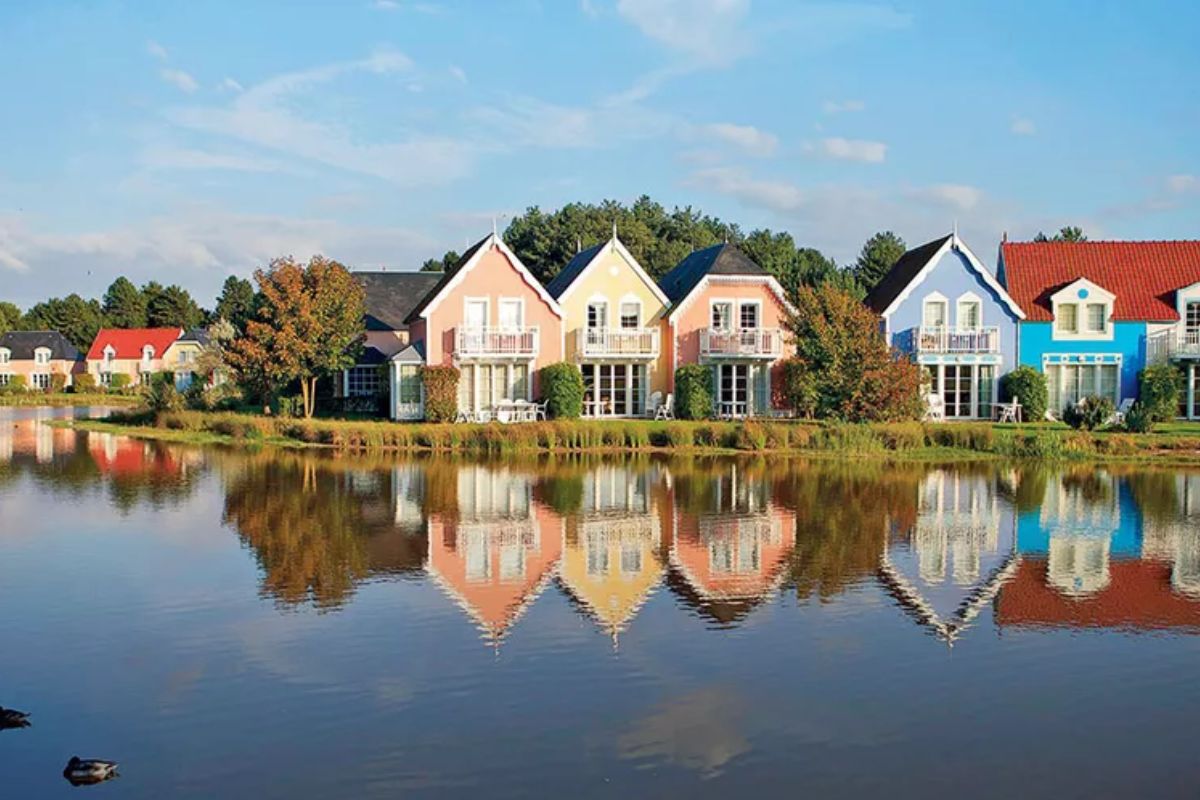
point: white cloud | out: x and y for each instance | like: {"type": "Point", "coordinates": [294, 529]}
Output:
{"type": "Point", "coordinates": [954, 195]}
{"type": "Point", "coordinates": [385, 5]}
{"type": "Point", "coordinates": [270, 115]}
{"type": "Point", "coordinates": [1023, 126]}
{"type": "Point", "coordinates": [1182, 184]}
{"type": "Point", "coordinates": [863, 150]}
{"type": "Point", "coordinates": [843, 106]}
{"type": "Point", "coordinates": [589, 8]}
{"type": "Point", "coordinates": [180, 80]}
{"type": "Point", "coordinates": [707, 31]}
{"type": "Point", "coordinates": [157, 50]}
{"type": "Point", "coordinates": [747, 137]}
{"type": "Point", "coordinates": [530, 122]}
{"type": "Point", "coordinates": [458, 73]}
{"type": "Point", "coordinates": [778, 196]}
{"type": "Point", "coordinates": [230, 85]}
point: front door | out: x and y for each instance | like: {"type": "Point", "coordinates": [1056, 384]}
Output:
{"type": "Point", "coordinates": [733, 390]}
{"type": "Point", "coordinates": [958, 389]}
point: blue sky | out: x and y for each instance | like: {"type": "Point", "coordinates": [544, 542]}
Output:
{"type": "Point", "coordinates": [189, 141]}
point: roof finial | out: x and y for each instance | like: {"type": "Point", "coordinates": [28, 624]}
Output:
{"type": "Point", "coordinates": [614, 228]}
{"type": "Point", "coordinates": [956, 227]}
{"type": "Point", "coordinates": [578, 245]}
{"type": "Point", "coordinates": [493, 224]}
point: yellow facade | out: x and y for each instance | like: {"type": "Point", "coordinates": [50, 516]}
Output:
{"type": "Point", "coordinates": [611, 565]}
{"type": "Point", "coordinates": [614, 283]}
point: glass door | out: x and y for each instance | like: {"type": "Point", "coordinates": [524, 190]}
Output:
{"type": "Point", "coordinates": [958, 391]}
{"type": "Point", "coordinates": [733, 390]}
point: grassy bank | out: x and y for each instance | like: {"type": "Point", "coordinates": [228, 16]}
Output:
{"type": "Point", "coordinates": [61, 399]}
{"type": "Point", "coordinates": [906, 440]}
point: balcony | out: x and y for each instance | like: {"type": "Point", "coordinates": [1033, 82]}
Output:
{"type": "Point", "coordinates": [624, 343]}
{"type": "Point", "coordinates": [958, 340]}
{"type": "Point", "coordinates": [508, 342]}
{"type": "Point", "coordinates": [741, 343]}
{"type": "Point", "coordinates": [1181, 345]}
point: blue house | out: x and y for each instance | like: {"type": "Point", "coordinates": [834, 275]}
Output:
{"type": "Point", "coordinates": [1099, 312]}
{"type": "Point", "coordinates": [943, 307]}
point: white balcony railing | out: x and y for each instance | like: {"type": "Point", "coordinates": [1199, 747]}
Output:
{"type": "Point", "coordinates": [622, 342]}
{"type": "Point", "coordinates": [1184, 345]}
{"type": "Point", "coordinates": [743, 343]}
{"type": "Point", "coordinates": [510, 341]}
{"type": "Point", "coordinates": [958, 340]}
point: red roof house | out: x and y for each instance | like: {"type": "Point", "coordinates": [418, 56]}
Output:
{"type": "Point", "coordinates": [134, 352]}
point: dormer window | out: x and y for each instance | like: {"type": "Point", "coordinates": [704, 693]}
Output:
{"type": "Point", "coordinates": [934, 313]}
{"type": "Point", "coordinates": [147, 353]}
{"type": "Point", "coordinates": [969, 314]}
{"type": "Point", "coordinates": [1083, 310]}
{"type": "Point", "coordinates": [41, 355]}
{"type": "Point", "coordinates": [110, 355]}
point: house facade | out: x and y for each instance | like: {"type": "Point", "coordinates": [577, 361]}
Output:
{"type": "Point", "coordinates": [490, 318]}
{"type": "Point", "coordinates": [181, 357]}
{"type": "Point", "coordinates": [136, 352]}
{"type": "Point", "coordinates": [729, 314]}
{"type": "Point", "coordinates": [613, 321]}
{"type": "Point", "coordinates": [37, 356]}
{"type": "Point", "coordinates": [940, 305]}
{"type": "Point", "coordinates": [1099, 312]}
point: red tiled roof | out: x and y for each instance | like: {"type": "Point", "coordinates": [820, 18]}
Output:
{"type": "Point", "coordinates": [129, 343]}
{"type": "Point", "coordinates": [1143, 275]}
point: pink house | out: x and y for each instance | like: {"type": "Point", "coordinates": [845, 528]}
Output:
{"type": "Point", "coordinates": [491, 318]}
{"type": "Point", "coordinates": [37, 356]}
{"type": "Point", "coordinates": [729, 314]}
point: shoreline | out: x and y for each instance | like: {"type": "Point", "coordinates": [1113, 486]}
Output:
{"type": "Point", "coordinates": [68, 400]}
{"type": "Point", "coordinates": [909, 441]}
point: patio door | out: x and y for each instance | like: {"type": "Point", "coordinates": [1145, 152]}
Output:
{"type": "Point", "coordinates": [614, 390]}
{"type": "Point", "coordinates": [958, 391]}
{"type": "Point", "coordinates": [733, 390]}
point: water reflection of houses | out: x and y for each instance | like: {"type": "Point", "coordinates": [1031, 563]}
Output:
{"type": "Point", "coordinates": [956, 556]}
{"type": "Point", "coordinates": [496, 551]}
{"type": "Point", "coordinates": [1100, 556]}
{"type": "Point", "coordinates": [28, 436]}
{"type": "Point", "coordinates": [613, 550]}
{"type": "Point", "coordinates": [729, 551]}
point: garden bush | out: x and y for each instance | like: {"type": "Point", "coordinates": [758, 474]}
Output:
{"type": "Point", "coordinates": [17, 383]}
{"type": "Point", "coordinates": [1089, 413]}
{"type": "Point", "coordinates": [1140, 418]}
{"type": "Point", "coordinates": [800, 388]}
{"type": "Point", "coordinates": [1028, 386]}
{"type": "Point", "coordinates": [679, 435]}
{"type": "Point", "coordinates": [901, 435]}
{"type": "Point", "coordinates": [83, 383]}
{"type": "Point", "coordinates": [441, 393]}
{"type": "Point", "coordinates": [1161, 386]}
{"type": "Point", "coordinates": [161, 394]}
{"type": "Point", "coordinates": [562, 390]}
{"type": "Point", "coordinates": [58, 383]}
{"type": "Point", "coordinates": [693, 392]}
{"type": "Point", "coordinates": [119, 382]}
{"type": "Point", "coordinates": [751, 436]}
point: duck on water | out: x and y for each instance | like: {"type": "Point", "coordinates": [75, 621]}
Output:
{"type": "Point", "coordinates": [82, 771]}
{"type": "Point", "coordinates": [11, 718]}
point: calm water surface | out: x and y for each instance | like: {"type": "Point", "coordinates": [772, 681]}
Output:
{"type": "Point", "coordinates": [281, 625]}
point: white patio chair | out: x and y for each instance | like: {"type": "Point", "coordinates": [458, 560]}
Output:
{"type": "Point", "coordinates": [464, 415]}
{"type": "Point", "coordinates": [1118, 418]}
{"type": "Point", "coordinates": [652, 403]}
{"type": "Point", "coordinates": [667, 409]}
{"type": "Point", "coordinates": [1009, 412]}
{"type": "Point", "coordinates": [935, 408]}
{"type": "Point", "coordinates": [540, 410]}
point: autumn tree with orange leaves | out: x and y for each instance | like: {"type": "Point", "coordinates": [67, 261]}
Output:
{"type": "Point", "coordinates": [308, 324]}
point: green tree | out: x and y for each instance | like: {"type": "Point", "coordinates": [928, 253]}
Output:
{"type": "Point", "coordinates": [878, 255]}
{"type": "Point", "coordinates": [75, 318]}
{"type": "Point", "coordinates": [124, 305]}
{"type": "Point", "coordinates": [1067, 233]}
{"type": "Point", "coordinates": [235, 304]}
{"type": "Point", "coordinates": [10, 317]}
{"type": "Point", "coordinates": [171, 307]}
{"type": "Point", "coordinates": [309, 324]}
{"type": "Point", "coordinates": [445, 264]}
{"type": "Point", "coordinates": [858, 377]}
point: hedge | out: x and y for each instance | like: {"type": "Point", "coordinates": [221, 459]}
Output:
{"type": "Point", "coordinates": [1028, 386]}
{"type": "Point", "coordinates": [441, 393]}
{"type": "Point", "coordinates": [562, 390]}
{"type": "Point", "coordinates": [693, 392]}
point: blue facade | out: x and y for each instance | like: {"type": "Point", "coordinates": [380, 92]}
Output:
{"type": "Point", "coordinates": [1128, 346]}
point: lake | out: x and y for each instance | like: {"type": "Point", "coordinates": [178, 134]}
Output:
{"type": "Point", "coordinates": [282, 624]}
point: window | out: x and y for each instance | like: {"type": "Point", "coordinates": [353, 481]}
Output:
{"type": "Point", "coordinates": [41, 355]}
{"type": "Point", "coordinates": [1070, 383]}
{"type": "Point", "coordinates": [1067, 318]}
{"type": "Point", "coordinates": [476, 314]}
{"type": "Point", "coordinates": [510, 314]}
{"type": "Point", "coordinates": [106, 378]}
{"type": "Point", "coordinates": [934, 314]}
{"type": "Point", "coordinates": [1097, 318]}
{"type": "Point", "coordinates": [722, 315]}
{"type": "Point", "coordinates": [110, 355]}
{"type": "Point", "coordinates": [748, 316]}
{"type": "Point", "coordinates": [519, 381]}
{"type": "Point", "coordinates": [5, 378]}
{"type": "Point", "coordinates": [145, 377]}
{"type": "Point", "coordinates": [1191, 320]}
{"type": "Point", "coordinates": [410, 385]}
{"type": "Point", "coordinates": [630, 314]}
{"type": "Point", "coordinates": [5, 355]}
{"type": "Point", "coordinates": [147, 353]}
{"type": "Point", "coordinates": [597, 315]}
{"type": "Point", "coordinates": [40, 380]}
{"type": "Point", "coordinates": [363, 382]}
{"type": "Point", "coordinates": [968, 315]}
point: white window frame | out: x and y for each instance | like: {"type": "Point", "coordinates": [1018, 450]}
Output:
{"type": "Point", "coordinates": [1087, 318]}
{"type": "Point", "coordinates": [758, 314]}
{"type": "Point", "coordinates": [1081, 362]}
{"type": "Point", "coordinates": [147, 353]}
{"type": "Point", "coordinates": [629, 300]}
{"type": "Point", "coordinates": [966, 301]}
{"type": "Point", "coordinates": [601, 318]}
{"type": "Point", "coordinates": [722, 301]}
{"type": "Point", "coordinates": [487, 311]}
{"type": "Point", "coordinates": [41, 355]}
{"type": "Point", "coordinates": [5, 355]}
{"type": "Point", "coordinates": [1081, 294]}
{"type": "Point", "coordinates": [40, 381]}
{"type": "Point", "coordinates": [519, 302]}
{"type": "Point", "coordinates": [110, 355]}
{"type": "Point", "coordinates": [935, 299]}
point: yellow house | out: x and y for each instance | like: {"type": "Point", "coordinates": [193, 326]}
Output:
{"type": "Point", "coordinates": [181, 357]}
{"type": "Point", "coordinates": [613, 550]}
{"type": "Point", "coordinates": [613, 323]}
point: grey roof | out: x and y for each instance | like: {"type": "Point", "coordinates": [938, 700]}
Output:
{"type": "Point", "coordinates": [391, 296]}
{"type": "Point", "coordinates": [559, 283]}
{"type": "Point", "coordinates": [413, 354]}
{"type": "Point", "coordinates": [21, 345]}
{"type": "Point", "coordinates": [197, 335]}
{"type": "Point", "coordinates": [444, 278]}
{"type": "Point", "coordinates": [720, 259]}
{"type": "Point", "coordinates": [370, 356]}
{"type": "Point", "coordinates": [901, 275]}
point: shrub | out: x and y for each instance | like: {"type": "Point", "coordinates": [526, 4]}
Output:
{"type": "Point", "coordinates": [901, 435]}
{"type": "Point", "coordinates": [1089, 413]}
{"type": "Point", "coordinates": [17, 383]}
{"type": "Point", "coordinates": [800, 388]}
{"type": "Point", "coordinates": [441, 393]}
{"type": "Point", "coordinates": [1161, 386]}
{"type": "Point", "coordinates": [119, 382]}
{"type": "Point", "coordinates": [58, 383]}
{"type": "Point", "coordinates": [291, 407]}
{"type": "Point", "coordinates": [693, 392]}
{"type": "Point", "coordinates": [679, 435]}
{"type": "Point", "coordinates": [562, 390]}
{"type": "Point", "coordinates": [751, 436]}
{"type": "Point", "coordinates": [84, 382]}
{"type": "Point", "coordinates": [161, 394]}
{"type": "Point", "coordinates": [1140, 419]}
{"type": "Point", "coordinates": [1028, 387]}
